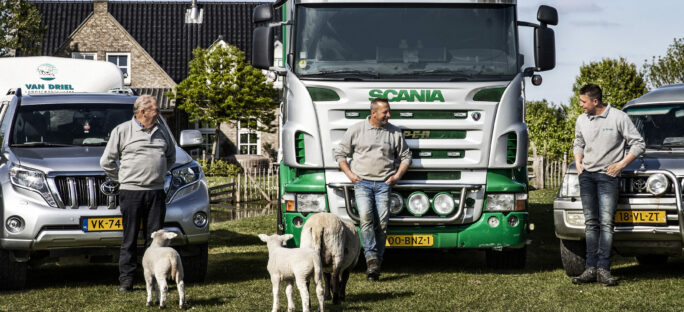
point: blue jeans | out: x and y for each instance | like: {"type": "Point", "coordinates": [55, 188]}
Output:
{"type": "Point", "coordinates": [372, 202]}
{"type": "Point", "coordinates": [599, 193]}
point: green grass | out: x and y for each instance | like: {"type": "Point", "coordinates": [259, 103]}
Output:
{"type": "Point", "coordinates": [414, 280]}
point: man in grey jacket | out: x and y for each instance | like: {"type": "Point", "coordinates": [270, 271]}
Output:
{"type": "Point", "coordinates": [601, 135]}
{"type": "Point", "coordinates": [377, 147]}
{"type": "Point", "coordinates": [145, 153]}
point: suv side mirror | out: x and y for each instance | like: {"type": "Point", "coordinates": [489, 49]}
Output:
{"type": "Point", "coordinates": [190, 138]}
{"type": "Point", "coordinates": [262, 47]}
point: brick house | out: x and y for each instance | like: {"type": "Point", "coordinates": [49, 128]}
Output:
{"type": "Point", "coordinates": [152, 43]}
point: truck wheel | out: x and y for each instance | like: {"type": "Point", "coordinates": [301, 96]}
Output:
{"type": "Point", "coordinates": [651, 260]}
{"type": "Point", "coordinates": [12, 273]}
{"type": "Point", "coordinates": [573, 255]}
{"type": "Point", "coordinates": [195, 266]}
{"type": "Point", "coordinates": [512, 258]}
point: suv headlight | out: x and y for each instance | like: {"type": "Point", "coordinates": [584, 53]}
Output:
{"type": "Point", "coordinates": [33, 180]}
{"type": "Point", "coordinates": [182, 181]}
{"type": "Point", "coordinates": [657, 184]}
{"type": "Point", "coordinates": [310, 202]}
{"type": "Point", "coordinates": [570, 187]}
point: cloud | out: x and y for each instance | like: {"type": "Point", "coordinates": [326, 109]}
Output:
{"type": "Point", "coordinates": [594, 23]}
{"type": "Point", "coordinates": [564, 7]}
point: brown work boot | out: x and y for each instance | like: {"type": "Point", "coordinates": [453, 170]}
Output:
{"type": "Point", "coordinates": [588, 276]}
{"type": "Point", "coordinates": [373, 270]}
{"type": "Point", "coordinates": [603, 276]}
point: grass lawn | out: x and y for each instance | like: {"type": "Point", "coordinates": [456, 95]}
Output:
{"type": "Point", "coordinates": [415, 280]}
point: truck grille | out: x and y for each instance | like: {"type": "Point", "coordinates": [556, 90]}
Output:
{"type": "Point", "coordinates": [82, 191]}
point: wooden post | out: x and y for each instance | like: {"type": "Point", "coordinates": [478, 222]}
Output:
{"type": "Point", "coordinates": [237, 188]}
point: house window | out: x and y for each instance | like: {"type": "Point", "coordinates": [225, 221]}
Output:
{"type": "Point", "coordinates": [84, 55]}
{"type": "Point", "coordinates": [208, 131]}
{"type": "Point", "coordinates": [122, 60]}
{"type": "Point", "coordinates": [249, 141]}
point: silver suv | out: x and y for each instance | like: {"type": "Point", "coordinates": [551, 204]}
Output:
{"type": "Point", "coordinates": [52, 205]}
{"type": "Point", "coordinates": [649, 222]}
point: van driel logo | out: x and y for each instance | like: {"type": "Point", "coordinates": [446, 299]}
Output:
{"type": "Point", "coordinates": [47, 72]}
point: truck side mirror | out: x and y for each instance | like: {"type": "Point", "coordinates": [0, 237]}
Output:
{"type": "Point", "coordinates": [262, 47]}
{"type": "Point", "coordinates": [262, 13]}
{"type": "Point", "coordinates": [545, 39]}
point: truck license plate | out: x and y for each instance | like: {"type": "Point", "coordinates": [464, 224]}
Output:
{"type": "Point", "coordinates": [415, 240]}
{"type": "Point", "coordinates": [650, 217]}
{"type": "Point", "coordinates": [101, 224]}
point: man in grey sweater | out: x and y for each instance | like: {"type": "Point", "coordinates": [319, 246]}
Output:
{"type": "Point", "coordinates": [601, 135]}
{"type": "Point", "coordinates": [377, 147]}
{"type": "Point", "coordinates": [145, 152]}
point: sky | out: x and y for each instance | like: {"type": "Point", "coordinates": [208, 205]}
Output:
{"type": "Point", "coordinates": [589, 31]}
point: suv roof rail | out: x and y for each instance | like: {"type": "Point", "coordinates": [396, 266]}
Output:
{"type": "Point", "coordinates": [128, 91]}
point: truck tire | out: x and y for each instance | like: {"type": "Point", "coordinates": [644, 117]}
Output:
{"type": "Point", "coordinates": [511, 258]}
{"type": "Point", "coordinates": [573, 254]}
{"type": "Point", "coordinates": [12, 273]}
{"type": "Point", "coordinates": [651, 260]}
{"type": "Point", "coordinates": [195, 266]}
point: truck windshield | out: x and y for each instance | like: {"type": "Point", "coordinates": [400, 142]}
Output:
{"type": "Point", "coordinates": [437, 42]}
{"type": "Point", "coordinates": [66, 125]}
{"type": "Point", "coordinates": [660, 126]}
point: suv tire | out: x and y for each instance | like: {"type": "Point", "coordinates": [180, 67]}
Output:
{"type": "Point", "coordinates": [509, 258]}
{"type": "Point", "coordinates": [12, 273]}
{"type": "Point", "coordinates": [573, 254]}
{"type": "Point", "coordinates": [195, 265]}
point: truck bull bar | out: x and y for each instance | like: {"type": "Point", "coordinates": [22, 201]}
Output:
{"type": "Point", "coordinates": [464, 188]}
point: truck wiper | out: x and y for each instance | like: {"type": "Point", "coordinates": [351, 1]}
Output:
{"type": "Point", "coordinates": [343, 74]}
{"type": "Point", "coordinates": [40, 144]}
{"type": "Point", "coordinates": [442, 73]}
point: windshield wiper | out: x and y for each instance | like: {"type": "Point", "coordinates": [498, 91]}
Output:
{"type": "Point", "coordinates": [674, 144]}
{"type": "Point", "coordinates": [345, 74]}
{"type": "Point", "coordinates": [657, 147]}
{"type": "Point", "coordinates": [40, 144]}
{"type": "Point", "coordinates": [442, 73]}
{"type": "Point", "coordinates": [94, 144]}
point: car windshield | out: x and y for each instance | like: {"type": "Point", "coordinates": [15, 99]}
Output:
{"type": "Point", "coordinates": [420, 42]}
{"type": "Point", "coordinates": [67, 125]}
{"type": "Point", "coordinates": [660, 126]}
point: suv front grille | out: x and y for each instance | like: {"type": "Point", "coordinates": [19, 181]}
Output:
{"type": "Point", "coordinates": [82, 191]}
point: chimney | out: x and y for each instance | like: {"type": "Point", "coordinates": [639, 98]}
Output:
{"type": "Point", "coordinates": [99, 7]}
{"type": "Point", "coordinates": [194, 14]}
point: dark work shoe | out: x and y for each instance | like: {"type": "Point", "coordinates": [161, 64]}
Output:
{"type": "Point", "coordinates": [125, 287]}
{"type": "Point", "coordinates": [588, 276]}
{"type": "Point", "coordinates": [373, 270]}
{"type": "Point", "coordinates": [603, 276]}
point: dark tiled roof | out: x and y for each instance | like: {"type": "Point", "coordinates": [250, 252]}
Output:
{"type": "Point", "coordinates": [159, 27]}
{"type": "Point", "coordinates": [61, 19]}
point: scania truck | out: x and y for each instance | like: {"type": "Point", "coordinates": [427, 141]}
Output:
{"type": "Point", "coordinates": [454, 76]}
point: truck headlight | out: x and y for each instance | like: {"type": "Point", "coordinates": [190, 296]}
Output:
{"type": "Point", "coordinates": [33, 180]}
{"type": "Point", "coordinates": [570, 187]}
{"type": "Point", "coordinates": [443, 204]}
{"type": "Point", "coordinates": [310, 202]}
{"type": "Point", "coordinates": [418, 203]}
{"type": "Point", "coordinates": [657, 184]}
{"type": "Point", "coordinates": [500, 202]}
{"type": "Point", "coordinates": [182, 181]}
{"type": "Point", "coordinates": [396, 204]}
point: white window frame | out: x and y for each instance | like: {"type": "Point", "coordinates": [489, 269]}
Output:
{"type": "Point", "coordinates": [84, 55]}
{"type": "Point", "coordinates": [208, 136]}
{"type": "Point", "coordinates": [248, 132]}
{"type": "Point", "coordinates": [127, 78]}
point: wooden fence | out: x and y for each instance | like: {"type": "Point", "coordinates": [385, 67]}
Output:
{"type": "Point", "coordinates": [253, 184]}
{"type": "Point", "coordinates": [545, 172]}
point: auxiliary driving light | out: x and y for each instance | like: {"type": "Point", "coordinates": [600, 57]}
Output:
{"type": "Point", "coordinates": [418, 203]}
{"type": "Point", "coordinates": [493, 221]}
{"type": "Point", "coordinates": [657, 184]}
{"type": "Point", "coordinates": [396, 203]}
{"type": "Point", "coordinates": [443, 204]}
{"type": "Point", "coordinates": [14, 224]}
{"type": "Point", "coordinates": [200, 219]}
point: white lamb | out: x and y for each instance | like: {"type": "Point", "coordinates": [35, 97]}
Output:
{"type": "Point", "coordinates": [290, 264]}
{"type": "Point", "coordinates": [338, 245]}
{"type": "Point", "coordinates": [159, 263]}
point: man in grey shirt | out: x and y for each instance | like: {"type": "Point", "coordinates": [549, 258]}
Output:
{"type": "Point", "coordinates": [601, 135]}
{"type": "Point", "coordinates": [145, 153]}
{"type": "Point", "coordinates": [377, 147]}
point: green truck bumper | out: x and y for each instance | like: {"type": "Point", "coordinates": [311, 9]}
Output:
{"type": "Point", "coordinates": [480, 234]}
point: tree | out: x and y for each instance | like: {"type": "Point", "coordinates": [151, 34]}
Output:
{"type": "Point", "coordinates": [549, 129]}
{"type": "Point", "coordinates": [619, 80]}
{"type": "Point", "coordinates": [20, 28]}
{"type": "Point", "coordinates": [222, 87]}
{"type": "Point", "coordinates": [667, 69]}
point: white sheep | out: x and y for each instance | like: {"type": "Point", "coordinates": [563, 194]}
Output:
{"type": "Point", "coordinates": [338, 245]}
{"type": "Point", "coordinates": [159, 263]}
{"type": "Point", "coordinates": [290, 264]}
